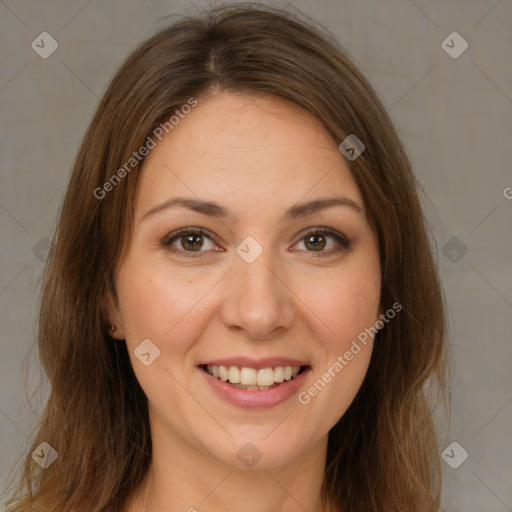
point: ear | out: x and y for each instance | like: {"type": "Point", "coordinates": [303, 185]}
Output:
{"type": "Point", "coordinates": [380, 312]}
{"type": "Point", "coordinates": [112, 317]}
{"type": "Point", "coordinates": [380, 315]}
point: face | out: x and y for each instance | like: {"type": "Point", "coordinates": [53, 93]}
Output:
{"type": "Point", "coordinates": [268, 288]}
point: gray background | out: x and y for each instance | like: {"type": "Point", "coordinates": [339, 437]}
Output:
{"type": "Point", "coordinates": [453, 114]}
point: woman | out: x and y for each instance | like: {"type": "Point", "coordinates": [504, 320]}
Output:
{"type": "Point", "coordinates": [241, 306]}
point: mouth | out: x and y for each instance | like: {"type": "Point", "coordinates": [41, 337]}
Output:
{"type": "Point", "coordinates": [255, 383]}
{"type": "Point", "coordinates": [253, 378]}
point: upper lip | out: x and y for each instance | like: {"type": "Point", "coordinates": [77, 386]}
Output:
{"type": "Point", "coordinates": [266, 362]}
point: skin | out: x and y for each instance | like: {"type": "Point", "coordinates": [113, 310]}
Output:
{"type": "Point", "coordinates": [255, 156]}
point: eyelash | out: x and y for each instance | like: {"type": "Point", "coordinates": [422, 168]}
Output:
{"type": "Point", "coordinates": [342, 240]}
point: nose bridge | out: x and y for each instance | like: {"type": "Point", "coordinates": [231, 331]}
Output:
{"type": "Point", "coordinates": [257, 279]}
{"type": "Point", "coordinates": [258, 302]}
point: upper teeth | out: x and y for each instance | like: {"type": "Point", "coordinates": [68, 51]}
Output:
{"type": "Point", "coordinates": [252, 376]}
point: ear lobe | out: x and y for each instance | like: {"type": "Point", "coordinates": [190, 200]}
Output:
{"type": "Point", "coordinates": [111, 317]}
{"type": "Point", "coordinates": [381, 313]}
{"type": "Point", "coordinates": [380, 316]}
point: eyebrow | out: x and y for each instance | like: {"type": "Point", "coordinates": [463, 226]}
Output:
{"type": "Point", "coordinates": [213, 209]}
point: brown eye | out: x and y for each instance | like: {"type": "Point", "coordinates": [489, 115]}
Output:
{"type": "Point", "coordinates": [315, 242]}
{"type": "Point", "coordinates": [188, 241]}
{"type": "Point", "coordinates": [191, 242]}
{"type": "Point", "coordinates": [325, 241]}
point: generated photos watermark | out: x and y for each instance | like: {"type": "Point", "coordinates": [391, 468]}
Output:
{"type": "Point", "coordinates": [138, 156]}
{"type": "Point", "coordinates": [304, 397]}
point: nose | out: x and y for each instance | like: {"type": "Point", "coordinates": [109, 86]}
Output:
{"type": "Point", "coordinates": [258, 299]}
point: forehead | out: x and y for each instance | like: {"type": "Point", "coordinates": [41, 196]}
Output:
{"type": "Point", "coordinates": [245, 151]}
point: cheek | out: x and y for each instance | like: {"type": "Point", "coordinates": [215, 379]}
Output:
{"type": "Point", "coordinates": [165, 307]}
{"type": "Point", "coordinates": [348, 304]}
{"type": "Point", "coordinates": [350, 311]}
{"type": "Point", "coordinates": [157, 302]}
{"type": "Point", "coordinates": [345, 302]}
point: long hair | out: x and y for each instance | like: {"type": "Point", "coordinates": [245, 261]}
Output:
{"type": "Point", "coordinates": [382, 454]}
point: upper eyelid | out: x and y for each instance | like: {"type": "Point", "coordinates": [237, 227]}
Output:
{"type": "Point", "coordinates": [194, 230]}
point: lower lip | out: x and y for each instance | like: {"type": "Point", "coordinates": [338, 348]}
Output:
{"type": "Point", "coordinates": [247, 399]}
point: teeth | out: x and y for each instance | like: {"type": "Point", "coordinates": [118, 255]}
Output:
{"type": "Point", "coordinates": [248, 377]}
{"type": "Point", "coordinates": [234, 375]}
{"type": "Point", "coordinates": [223, 372]}
{"type": "Point", "coordinates": [252, 378]}
{"type": "Point", "coordinates": [266, 377]}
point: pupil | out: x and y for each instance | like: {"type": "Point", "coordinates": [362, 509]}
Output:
{"type": "Point", "coordinates": [190, 242]}
{"type": "Point", "coordinates": [316, 241]}
{"type": "Point", "coordinates": [317, 245]}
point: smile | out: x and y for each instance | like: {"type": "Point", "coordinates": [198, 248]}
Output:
{"type": "Point", "coordinates": [253, 379]}
{"type": "Point", "coordinates": [255, 384]}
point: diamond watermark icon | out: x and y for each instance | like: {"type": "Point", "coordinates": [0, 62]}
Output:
{"type": "Point", "coordinates": [249, 455]}
{"type": "Point", "coordinates": [351, 147]}
{"type": "Point", "coordinates": [146, 352]}
{"type": "Point", "coordinates": [41, 248]}
{"type": "Point", "coordinates": [44, 45]}
{"type": "Point", "coordinates": [249, 249]}
{"type": "Point", "coordinates": [44, 455]}
{"type": "Point", "coordinates": [454, 45]}
{"type": "Point", "coordinates": [454, 455]}
{"type": "Point", "coordinates": [454, 249]}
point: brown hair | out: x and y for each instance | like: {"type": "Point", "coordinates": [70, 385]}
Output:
{"type": "Point", "coordinates": [382, 454]}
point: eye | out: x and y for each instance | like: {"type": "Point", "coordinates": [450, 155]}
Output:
{"type": "Point", "coordinates": [189, 241]}
{"type": "Point", "coordinates": [317, 239]}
